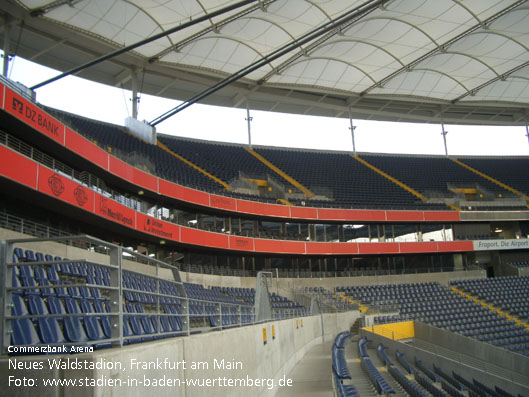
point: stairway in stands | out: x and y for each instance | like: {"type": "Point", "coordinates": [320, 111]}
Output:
{"type": "Point", "coordinates": [399, 391]}
{"type": "Point", "coordinates": [491, 179]}
{"type": "Point", "coordinates": [192, 165]}
{"type": "Point", "coordinates": [358, 377]}
{"type": "Point", "coordinates": [280, 172]}
{"type": "Point", "coordinates": [359, 323]}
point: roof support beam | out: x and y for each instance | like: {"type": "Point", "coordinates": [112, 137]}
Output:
{"type": "Point", "coordinates": [317, 44]}
{"type": "Point", "coordinates": [37, 12]}
{"type": "Point", "coordinates": [312, 35]}
{"type": "Point", "coordinates": [211, 28]}
{"type": "Point", "coordinates": [145, 41]}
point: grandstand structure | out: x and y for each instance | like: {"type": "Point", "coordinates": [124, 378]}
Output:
{"type": "Point", "coordinates": [119, 247]}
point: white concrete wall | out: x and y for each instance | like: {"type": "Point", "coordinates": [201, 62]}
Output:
{"type": "Point", "coordinates": [272, 361]}
{"type": "Point", "coordinates": [283, 285]}
{"type": "Point", "coordinates": [333, 282]}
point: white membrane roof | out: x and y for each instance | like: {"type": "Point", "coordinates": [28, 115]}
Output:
{"type": "Point", "coordinates": [465, 61]}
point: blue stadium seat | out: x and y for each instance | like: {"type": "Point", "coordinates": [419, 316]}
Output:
{"type": "Point", "coordinates": [73, 330]}
{"type": "Point", "coordinates": [24, 332]}
{"type": "Point", "coordinates": [48, 327]}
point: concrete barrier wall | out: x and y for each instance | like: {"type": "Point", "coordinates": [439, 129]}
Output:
{"type": "Point", "coordinates": [221, 281]}
{"type": "Point", "coordinates": [473, 348]}
{"type": "Point", "coordinates": [330, 283]}
{"type": "Point", "coordinates": [333, 282]}
{"type": "Point", "coordinates": [68, 251]}
{"type": "Point", "coordinates": [238, 355]}
{"type": "Point", "coordinates": [513, 382]}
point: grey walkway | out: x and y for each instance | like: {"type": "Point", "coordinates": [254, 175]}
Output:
{"type": "Point", "coordinates": [312, 376]}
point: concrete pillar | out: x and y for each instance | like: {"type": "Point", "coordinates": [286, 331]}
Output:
{"type": "Point", "coordinates": [458, 262]}
{"type": "Point", "coordinates": [341, 236]}
{"type": "Point", "coordinates": [135, 98]}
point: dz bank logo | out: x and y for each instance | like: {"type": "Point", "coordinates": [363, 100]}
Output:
{"type": "Point", "coordinates": [80, 196]}
{"type": "Point", "coordinates": [56, 185]}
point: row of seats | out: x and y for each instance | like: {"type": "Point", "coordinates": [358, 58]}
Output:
{"type": "Point", "coordinates": [339, 366]}
{"type": "Point", "coordinates": [450, 379]}
{"type": "Point", "coordinates": [427, 371]}
{"type": "Point", "coordinates": [452, 384]}
{"type": "Point", "coordinates": [62, 322]}
{"type": "Point", "coordinates": [378, 381]}
{"type": "Point", "coordinates": [401, 358]}
{"type": "Point", "coordinates": [524, 263]}
{"type": "Point", "coordinates": [410, 387]}
{"type": "Point", "coordinates": [383, 356]}
{"type": "Point", "coordinates": [510, 294]}
{"type": "Point", "coordinates": [428, 386]}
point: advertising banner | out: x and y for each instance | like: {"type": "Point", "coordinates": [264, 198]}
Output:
{"type": "Point", "coordinates": [510, 244]}
{"type": "Point", "coordinates": [33, 116]}
{"type": "Point", "coordinates": [65, 189]}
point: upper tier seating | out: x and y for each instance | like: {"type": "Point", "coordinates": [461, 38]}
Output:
{"type": "Point", "coordinates": [511, 171]}
{"type": "Point", "coordinates": [115, 137]}
{"type": "Point", "coordinates": [433, 176]}
{"type": "Point", "coordinates": [344, 180]}
{"type": "Point", "coordinates": [337, 179]}
{"type": "Point", "coordinates": [224, 161]}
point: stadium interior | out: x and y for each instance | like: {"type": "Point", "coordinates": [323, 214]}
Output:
{"type": "Point", "coordinates": [141, 254]}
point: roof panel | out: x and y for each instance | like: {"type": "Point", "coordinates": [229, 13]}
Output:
{"type": "Point", "coordinates": [423, 84]}
{"type": "Point", "coordinates": [170, 13]}
{"type": "Point", "coordinates": [462, 67]}
{"type": "Point", "coordinates": [265, 35]}
{"type": "Point", "coordinates": [513, 90]}
{"type": "Point", "coordinates": [483, 9]}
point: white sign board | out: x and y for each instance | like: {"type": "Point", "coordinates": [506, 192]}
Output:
{"type": "Point", "coordinates": [489, 245]}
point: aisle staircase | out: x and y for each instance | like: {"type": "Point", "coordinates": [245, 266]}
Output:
{"type": "Point", "coordinates": [491, 179]}
{"type": "Point", "coordinates": [397, 182]}
{"type": "Point", "coordinates": [358, 377]}
{"type": "Point", "coordinates": [281, 173]}
{"type": "Point", "coordinates": [193, 165]}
